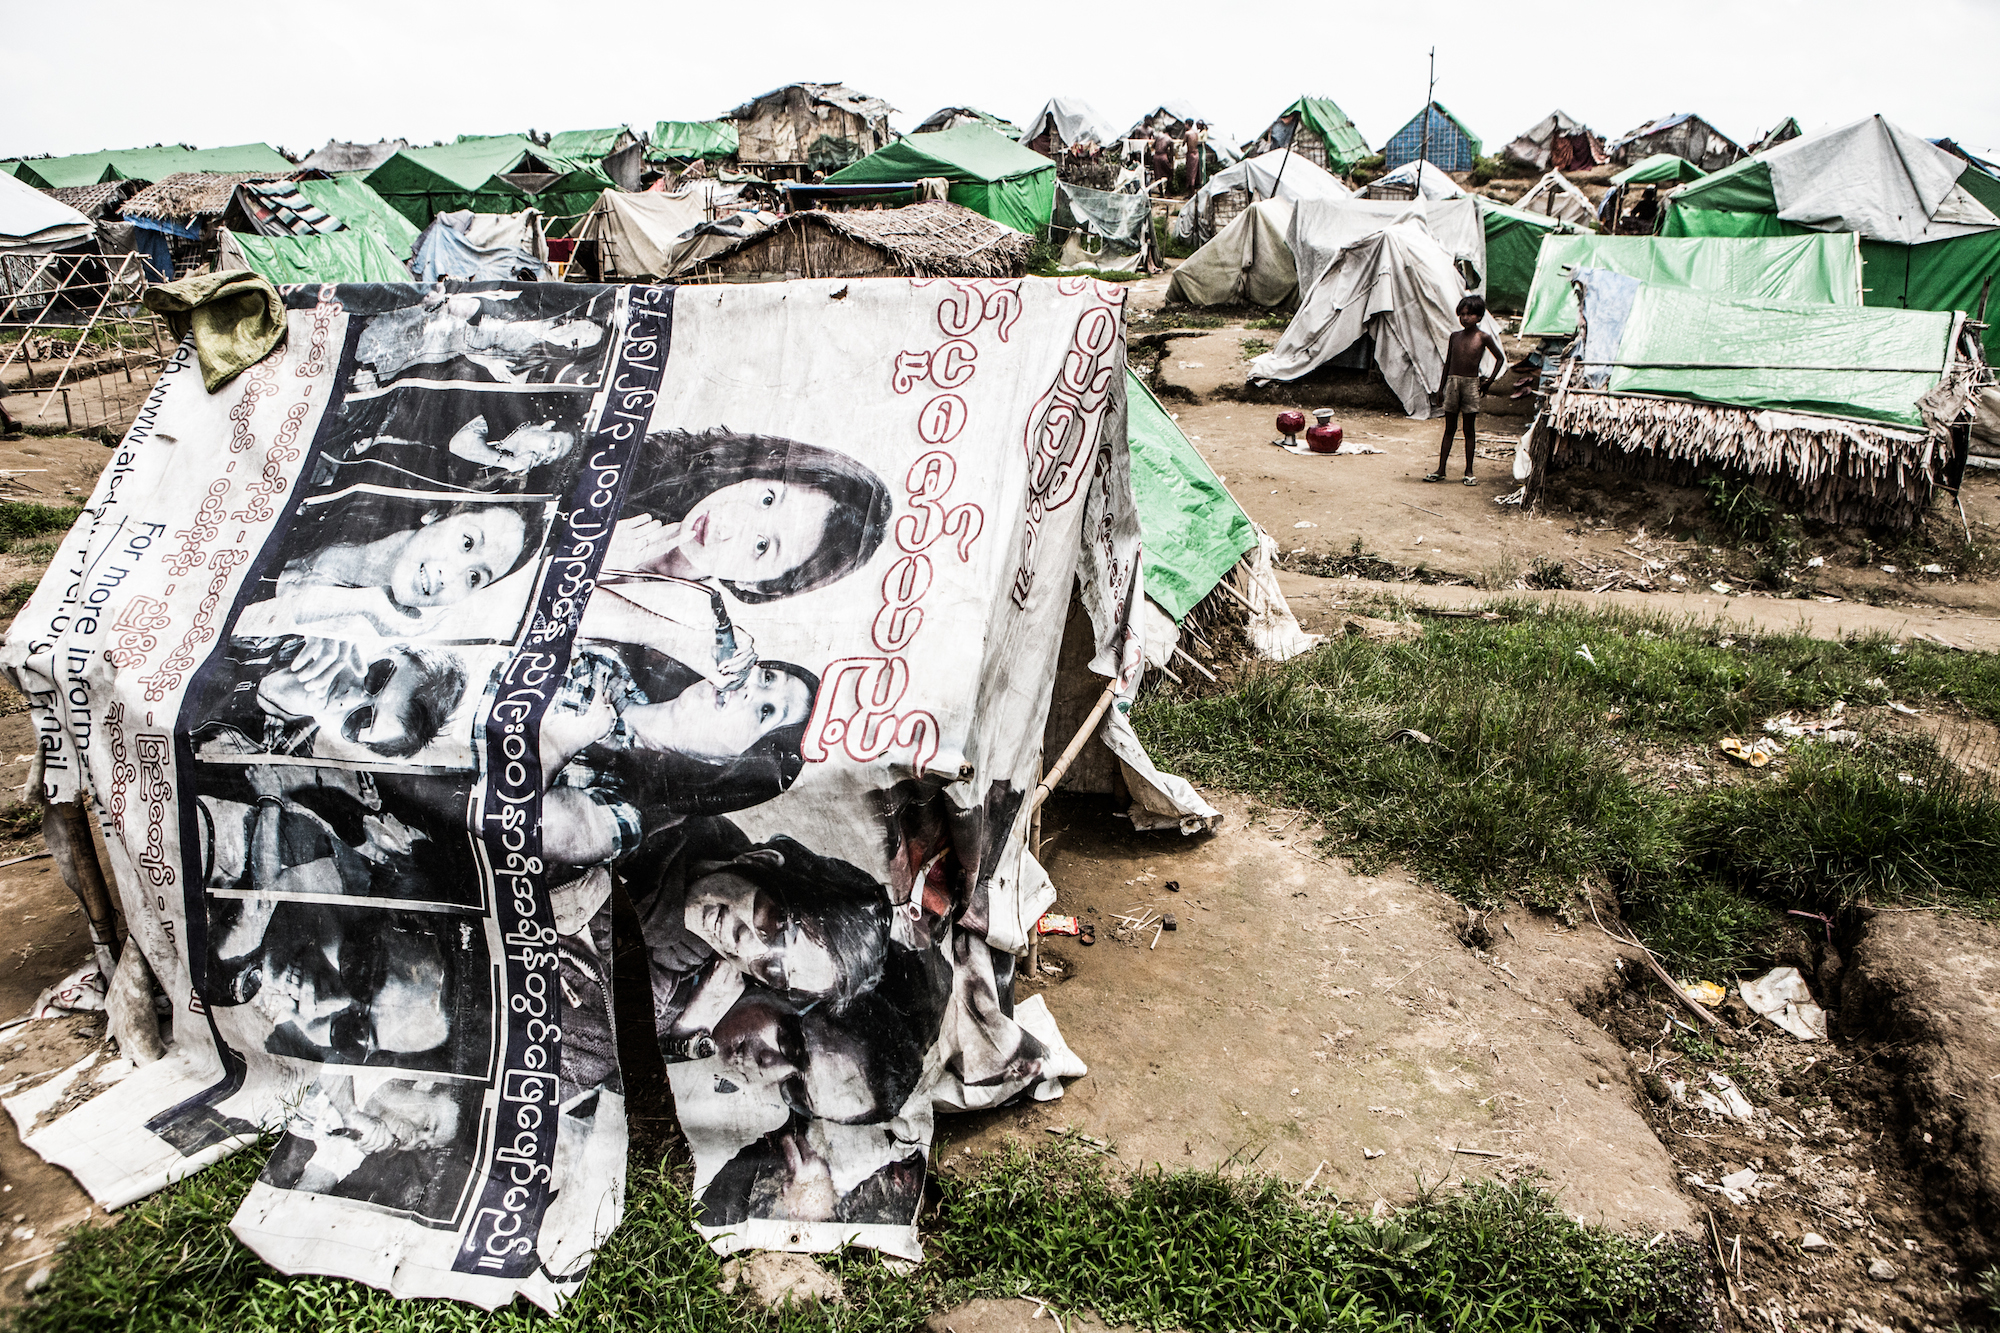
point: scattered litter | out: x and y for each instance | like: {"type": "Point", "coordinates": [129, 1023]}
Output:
{"type": "Point", "coordinates": [1371, 1154]}
{"type": "Point", "coordinates": [1723, 588]}
{"type": "Point", "coordinates": [1704, 992]}
{"type": "Point", "coordinates": [1904, 709]}
{"type": "Point", "coordinates": [1405, 736]}
{"type": "Point", "coordinates": [1792, 728]}
{"type": "Point", "coordinates": [1933, 569]}
{"type": "Point", "coordinates": [1167, 922]}
{"type": "Point", "coordinates": [1890, 569]}
{"type": "Point", "coordinates": [1812, 1240]}
{"type": "Point", "coordinates": [1726, 1099]}
{"type": "Point", "coordinates": [1303, 524]}
{"type": "Point", "coordinates": [81, 992]}
{"type": "Point", "coordinates": [1757, 753]}
{"type": "Point", "coordinates": [1585, 653]}
{"type": "Point", "coordinates": [1782, 996]}
{"type": "Point", "coordinates": [1173, 886]}
{"type": "Point", "coordinates": [1052, 924]}
{"type": "Point", "coordinates": [1816, 562]}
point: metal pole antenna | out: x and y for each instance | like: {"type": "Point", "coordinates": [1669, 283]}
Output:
{"type": "Point", "coordinates": [1424, 137]}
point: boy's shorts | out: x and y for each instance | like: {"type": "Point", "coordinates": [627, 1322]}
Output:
{"type": "Point", "coordinates": [1461, 394]}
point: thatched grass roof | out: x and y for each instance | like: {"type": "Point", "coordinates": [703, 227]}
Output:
{"type": "Point", "coordinates": [189, 194]}
{"type": "Point", "coordinates": [934, 239]}
{"type": "Point", "coordinates": [95, 201]}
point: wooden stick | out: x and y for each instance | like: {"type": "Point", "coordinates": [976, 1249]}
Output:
{"type": "Point", "coordinates": [1075, 747]}
{"type": "Point", "coordinates": [1196, 665]}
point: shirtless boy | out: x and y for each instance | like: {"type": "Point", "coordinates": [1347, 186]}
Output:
{"type": "Point", "coordinates": [1461, 384]}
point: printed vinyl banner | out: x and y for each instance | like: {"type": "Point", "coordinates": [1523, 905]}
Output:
{"type": "Point", "coordinates": [386, 664]}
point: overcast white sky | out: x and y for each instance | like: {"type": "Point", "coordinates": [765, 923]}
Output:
{"type": "Point", "coordinates": [296, 74]}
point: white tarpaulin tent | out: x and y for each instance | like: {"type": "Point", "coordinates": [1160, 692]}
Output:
{"type": "Point", "coordinates": [1282, 174]}
{"type": "Point", "coordinates": [1249, 260]}
{"type": "Point", "coordinates": [1877, 179]}
{"type": "Point", "coordinates": [1072, 120]}
{"type": "Point", "coordinates": [1426, 178]}
{"type": "Point", "coordinates": [33, 223]}
{"type": "Point", "coordinates": [1275, 248]}
{"type": "Point", "coordinates": [1398, 286]}
{"type": "Point", "coordinates": [551, 583]}
{"type": "Point", "coordinates": [637, 234]}
{"type": "Point", "coordinates": [1555, 196]}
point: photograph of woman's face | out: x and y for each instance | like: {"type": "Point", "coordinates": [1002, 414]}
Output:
{"type": "Point", "coordinates": [718, 725]}
{"type": "Point", "coordinates": [754, 531]}
{"type": "Point", "coordinates": [455, 555]}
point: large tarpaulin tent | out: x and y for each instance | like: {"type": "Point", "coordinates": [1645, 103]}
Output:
{"type": "Point", "coordinates": [1513, 242]}
{"type": "Point", "coordinates": [1554, 196]}
{"type": "Point", "coordinates": [810, 127]}
{"type": "Point", "coordinates": [684, 140]}
{"type": "Point", "coordinates": [379, 662]}
{"type": "Point", "coordinates": [1249, 260]}
{"type": "Point", "coordinates": [33, 223]}
{"type": "Point", "coordinates": [1819, 268]}
{"type": "Point", "coordinates": [1841, 412]}
{"type": "Point", "coordinates": [355, 203]}
{"type": "Point", "coordinates": [341, 256]}
{"type": "Point", "coordinates": [502, 173]}
{"type": "Point", "coordinates": [1556, 142]}
{"type": "Point", "coordinates": [1683, 134]}
{"type": "Point", "coordinates": [339, 156]}
{"type": "Point", "coordinates": [1929, 222]}
{"type": "Point", "coordinates": [467, 245]}
{"type": "Point", "coordinates": [1320, 131]}
{"type": "Point", "coordinates": [989, 173]}
{"type": "Point", "coordinates": [951, 117]}
{"type": "Point", "coordinates": [146, 164]}
{"type": "Point", "coordinates": [617, 150]}
{"type": "Point", "coordinates": [1274, 175]}
{"type": "Point", "coordinates": [1397, 286]}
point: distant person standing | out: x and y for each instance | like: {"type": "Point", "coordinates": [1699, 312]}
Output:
{"type": "Point", "coordinates": [1196, 133]}
{"type": "Point", "coordinates": [1460, 384]}
{"type": "Point", "coordinates": [1160, 158]}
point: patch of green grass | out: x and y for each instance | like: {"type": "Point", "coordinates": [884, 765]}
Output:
{"type": "Point", "coordinates": [1255, 347]}
{"type": "Point", "coordinates": [1528, 784]}
{"type": "Point", "coordinates": [1269, 322]}
{"type": "Point", "coordinates": [1168, 247]}
{"type": "Point", "coordinates": [16, 594]}
{"type": "Point", "coordinates": [22, 518]}
{"type": "Point", "coordinates": [20, 819]}
{"type": "Point", "coordinates": [1197, 1251]}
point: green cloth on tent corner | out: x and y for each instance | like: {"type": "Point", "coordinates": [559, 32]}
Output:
{"type": "Point", "coordinates": [1344, 144]}
{"type": "Point", "coordinates": [1191, 528]}
{"type": "Point", "coordinates": [236, 317]}
{"type": "Point", "coordinates": [1513, 242]}
{"type": "Point", "coordinates": [337, 256]}
{"type": "Point", "coordinates": [1659, 169]}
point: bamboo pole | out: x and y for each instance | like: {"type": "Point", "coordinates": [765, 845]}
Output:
{"type": "Point", "coordinates": [1075, 747]}
{"type": "Point", "coordinates": [66, 829]}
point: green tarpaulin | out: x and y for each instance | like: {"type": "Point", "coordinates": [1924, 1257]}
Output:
{"type": "Point", "coordinates": [339, 256]}
{"type": "Point", "coordinates": [692, 138]}
{"type": "Point", "coordinates": [350, 199]}
{"type": "Point", "coordinates": [586, 145]}
{"type": "Point", "coordinates": [424, 182]}
{"type": "Point", "coordinates": [989, 173]}
{"type": "Point", "coordinates": [1816, 268]}
{"type": "Point", "coordinates": [1659, 169]}
{"type": "Point", "coordinates": [1846, 361]}
{"type": "Point", "coordinates": [1513, 240]}
{"type": "Point", "coordinates": [1192, 529]}
{"type": "Point", "coordinates": [145, 164]}
{"type": "Point", "coordinates": [1344, 144]}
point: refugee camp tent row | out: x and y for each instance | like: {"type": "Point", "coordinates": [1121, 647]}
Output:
{"type": "Point", "coordinates": [1838, 412]}
{"type": "Point", "coordinates": [1557, 142]}
{"type": "Point", "coordinates": [1446, 143]}
{"type": "Point", "coordinates": [1929, 222]}
{"type": "Point", "coordinates": [951, 117]}
{"type": "Point", "coordinates": [1514, 242]}
{"type": "Point", "coordinates": [793, 131]}
{"type": "Point", "coordinates": [1274, 175]}
{"type": "Point", "coordinates": [1319, 131]}
{"type": "Point", "coordinates": [988, 173]}
{"type": "Point", "coordinates": [498, 174]}
{"type": "Point", "coordinates": [148, 164]}
{"type": "Point", "coordinates": [1682, 134]}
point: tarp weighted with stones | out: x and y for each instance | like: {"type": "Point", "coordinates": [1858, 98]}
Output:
{"type": "Point", "coordinates": [377, 663]}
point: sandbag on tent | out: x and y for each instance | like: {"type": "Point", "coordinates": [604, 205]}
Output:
{"type": "Point", "coordinates": [1822, 269]}
{"type": "Point", "coordinates": [1513, 242]}
{"type": "Point", "coordinates": [470, 246]}
{"type": "Point", "coordinates": [1400, 287]}
{"type": "Point", "coordinates": [635, 232]}
{"type": "Point", "coordinates": [1279, 175]}
{"type": "Point", "coordinates": [1249, 260]}
{"type": "Point", "coordinates": [1838, 412]}
{"type": "Point", "coordinates": [368, 776]}
{"type": "Point", "coordinates": [341, 256]}
{"type": "Point", "coordinates": [1929, 222]}
{"type": "Point", "coordinates": [1101, 230]}
{"type": "Point", "coordinates": [989, 173]}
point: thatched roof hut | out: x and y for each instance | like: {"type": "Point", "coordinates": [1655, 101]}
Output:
{"type": "Point", "coordinates": [933, 239]}
{"type": "Point", "coordinates": [101, 200]}
{"type": "Point", "coordinates": [189, 197]}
